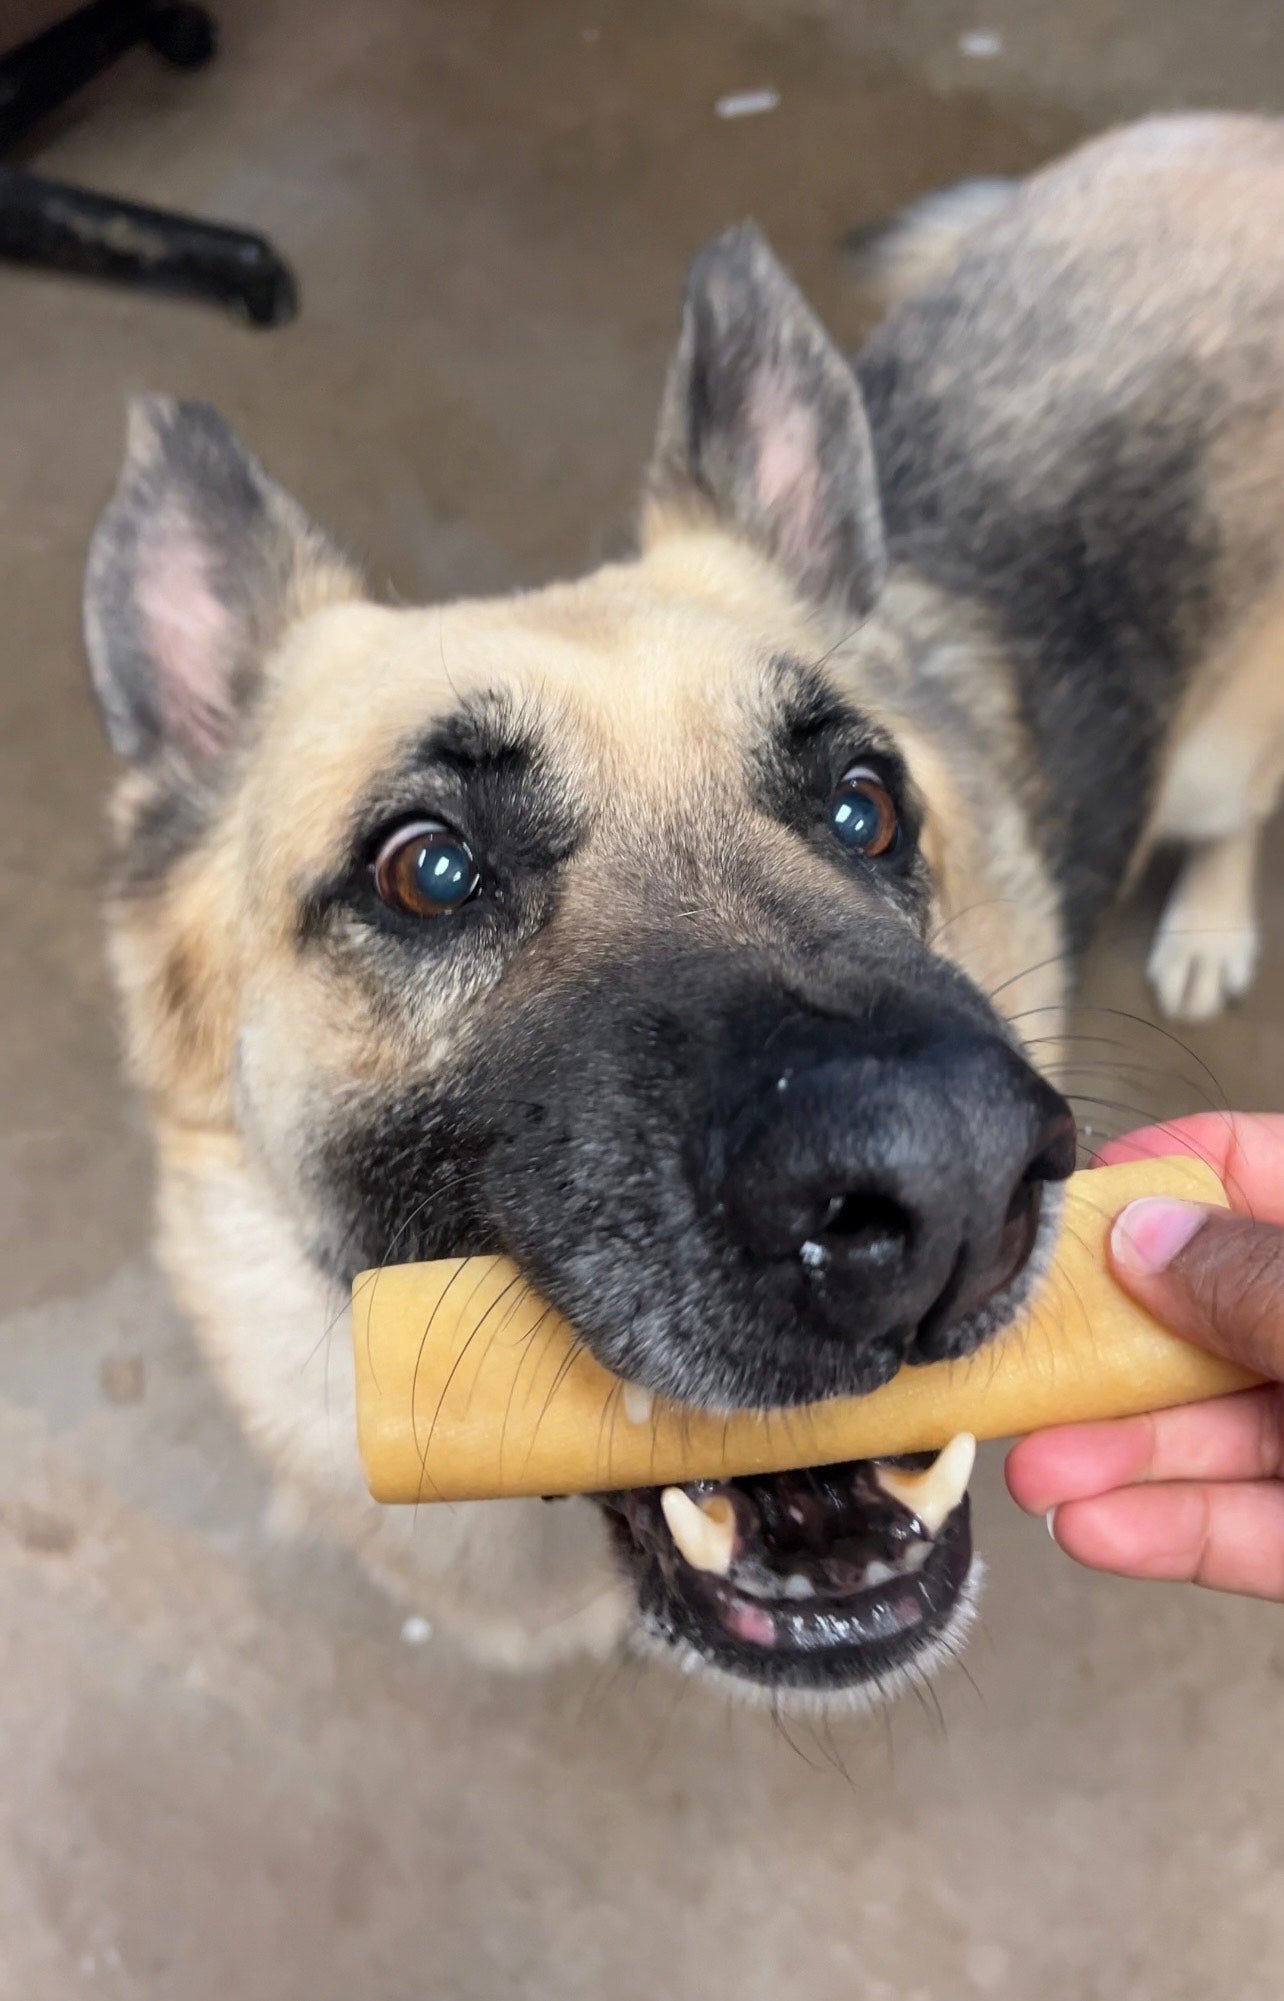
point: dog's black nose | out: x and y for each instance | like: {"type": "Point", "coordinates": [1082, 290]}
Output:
{"type": "Point", "coordinates": [902, 1170]}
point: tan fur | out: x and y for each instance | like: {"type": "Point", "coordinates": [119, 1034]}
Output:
{"type": "Point", "coordinates": [998, 916]}
{"type": "Point", "coordinates": [644, 673]}
{"type": "Point", "coordinates": [644, 665]}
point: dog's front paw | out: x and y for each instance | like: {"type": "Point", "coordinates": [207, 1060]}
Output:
{"type": "Point", "coordinates": [1197, 972]}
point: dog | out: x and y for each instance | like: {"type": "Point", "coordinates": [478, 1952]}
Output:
{"type": "Point", "coordinates": [697, 933]}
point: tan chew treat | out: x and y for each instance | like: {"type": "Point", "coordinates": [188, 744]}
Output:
{"type": "Point", "coordinates": [469, 1387]}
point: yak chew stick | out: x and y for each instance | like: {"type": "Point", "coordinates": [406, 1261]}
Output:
{"type": "Point", "coordinates": [469, 1387]}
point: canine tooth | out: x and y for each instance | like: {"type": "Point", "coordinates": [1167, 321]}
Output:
{"type": "Point", "coordinates": [877, 1572]}
{"type": "Point", "coordinates": [706, 1536]}
{"type": "Point", "coordinates": [638, 1403]}
{"type": "Point", "coordinates": [798, 1586]}
{"type": "Point", "coordinates": [934, 1493]}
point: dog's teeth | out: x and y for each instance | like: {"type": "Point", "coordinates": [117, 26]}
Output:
{"type": "Point", "coordinates": [638, 1403]}
{"type": "Point", "coordinates": [934, 1493]}
{"type": "Point", "coordinates": [706, 1536]}
{"type": "Point", "coordinates": [798, 1586]}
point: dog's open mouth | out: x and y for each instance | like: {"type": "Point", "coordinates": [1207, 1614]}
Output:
{"type": "Point", "coordinates": [829, 1577]}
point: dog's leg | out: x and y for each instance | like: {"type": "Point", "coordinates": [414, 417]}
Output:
{"type": "Point", "coordinates": [1224, 788]}
{"type": "Point", "coordinates": [1222, 784]}
{"type": "Point", "coordinates": [1206, 948]}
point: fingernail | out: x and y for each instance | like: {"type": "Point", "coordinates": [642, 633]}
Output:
{"type": "Point", "coordinates": [1148, 1234]}
{"type": "Point", "coordinates": [1050, 1523]}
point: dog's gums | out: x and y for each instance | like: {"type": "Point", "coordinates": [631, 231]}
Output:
{"type": "Point", "coordinates": [803, 1580]}
{"type": "Point", "coordinates": [800, 1579]}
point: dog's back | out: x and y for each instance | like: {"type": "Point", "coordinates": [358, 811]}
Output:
{"type": "Point", "coordinates": [1078, 414]}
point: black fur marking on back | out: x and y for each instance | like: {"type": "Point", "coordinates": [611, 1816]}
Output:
{"type": "Point", "coordinates": [1103, 589]}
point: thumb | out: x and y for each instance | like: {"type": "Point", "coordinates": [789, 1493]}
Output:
{"type": "Point", "coordinates": [1214, 1277]}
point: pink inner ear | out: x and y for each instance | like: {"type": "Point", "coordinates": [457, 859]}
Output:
{"type": "Point", "coordinates": [189, 635]}
{"type": "Point", "coordinates": [787, 466]}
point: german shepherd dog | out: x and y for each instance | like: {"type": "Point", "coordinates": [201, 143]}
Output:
{"type": "Point", "coordinates": [696, 933]}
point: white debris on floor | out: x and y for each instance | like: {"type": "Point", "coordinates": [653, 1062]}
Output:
{"type": "Point", "coordinates": [747, 103]}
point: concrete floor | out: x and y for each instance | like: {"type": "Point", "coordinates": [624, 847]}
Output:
{"type": "Point", "coordinates": [225, 1772]}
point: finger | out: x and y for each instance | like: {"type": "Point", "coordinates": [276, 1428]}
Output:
{"type": "Point", "coordinates": [1229, 1538]}
{"type": "Point", "coordinates": [1198, 1135]}
{"type": "Point", "coordinates": [1245, 1149]}
{"type": "Point", "coordinates": [1232, 1438]}
{"type": "Point", "coordinates": [1216, 1278]}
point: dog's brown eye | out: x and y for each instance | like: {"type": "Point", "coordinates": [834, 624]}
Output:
{"type": "Point", "coordinates": [863, 814]}
{"type": "Point", "coordinates": [425, 870]}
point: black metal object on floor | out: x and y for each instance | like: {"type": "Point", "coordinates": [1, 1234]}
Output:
{"type": "Point", "coordinates": [55, 225]}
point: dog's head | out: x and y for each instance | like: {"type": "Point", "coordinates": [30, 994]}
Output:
{"type": "Point", "coordinates": [594, 926]}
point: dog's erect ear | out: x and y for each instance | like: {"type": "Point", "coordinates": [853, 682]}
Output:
{"type": "Point", "coordinates": [762, 425]}
{"type": "Point", "coordinates": [198, 565]}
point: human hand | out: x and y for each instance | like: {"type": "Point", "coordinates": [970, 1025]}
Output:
{"type": "Point", "coordinates": [1194, 1494]}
